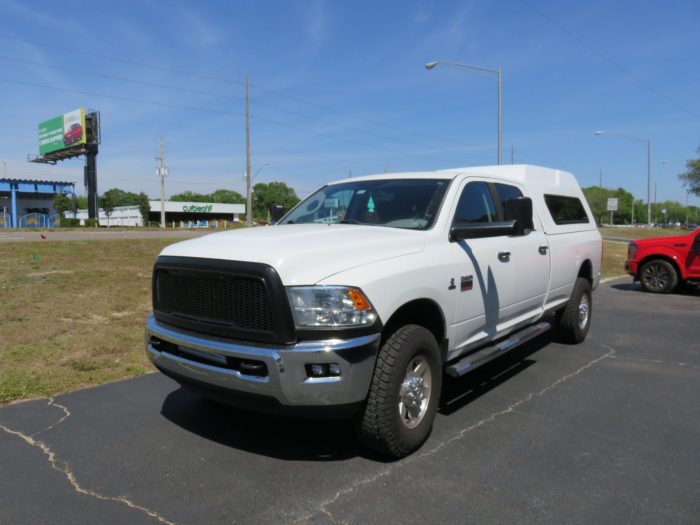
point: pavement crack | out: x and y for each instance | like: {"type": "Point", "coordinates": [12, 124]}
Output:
{"type": "Point", "coordinates": [512, 407]}
{"type": "Point", "coordinates": [66, 415]}
{"type": "Point", "coordinates": [64, 468]}
{"type": "Point", "coordinates": [323, 507]}
{"type": "Point", "coordinates": [657, 361]}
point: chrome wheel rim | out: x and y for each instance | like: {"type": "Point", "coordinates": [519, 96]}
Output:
{"type": "Point", "coordinates": [414, 394]}
{"type": "Point", "coordinates": [584, 311]}
{"type": "Point", "coordinates": [656, 277]}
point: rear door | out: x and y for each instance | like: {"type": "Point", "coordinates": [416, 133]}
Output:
{"type": "Point", "coordinates": [529, 261]}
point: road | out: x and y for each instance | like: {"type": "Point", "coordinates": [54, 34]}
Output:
{"type": "Point", "coordinates": [604, 432]}
{"type": "Point", "coordinates": [97, 235]}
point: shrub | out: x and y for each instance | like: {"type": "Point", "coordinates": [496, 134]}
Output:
{"type": "Point", "coordinates": [91, 223]}
{"type": "Point", "coordinates": [69, 222]}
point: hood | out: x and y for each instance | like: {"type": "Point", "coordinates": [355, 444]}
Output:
{"type": "Point", "coordinates": [671, 240]}
{"type": "Point", "coordinates": [304, 253]}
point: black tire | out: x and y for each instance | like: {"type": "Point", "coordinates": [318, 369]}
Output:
{"type": "Point", "coordinates": [658, 276]}
{"type": "Point", "coordinates": [387, 424]}
{"type": "Point", "coordinates": [575, 318]}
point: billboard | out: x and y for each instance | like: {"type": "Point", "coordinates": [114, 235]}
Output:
{"type": "Point", "coordinates": [62, 132]}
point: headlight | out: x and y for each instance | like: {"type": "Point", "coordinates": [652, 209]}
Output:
{"type": "Point", "coordinates": [330, 306]}
{"type": "Point", "coordinates": [631, 251]}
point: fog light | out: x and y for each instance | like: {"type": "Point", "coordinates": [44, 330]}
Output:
{"type": "Point", "coordinates": [318, 370]}
{"type": "Point", "coordinates": [323, 370]}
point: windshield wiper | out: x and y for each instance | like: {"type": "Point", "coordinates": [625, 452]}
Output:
{"type": "Point", "coordinates": [351, 221]}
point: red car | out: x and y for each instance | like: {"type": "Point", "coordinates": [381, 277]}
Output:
{"type": "Point", "coordinates": [660, 263]}
{"type": "Point", "coordinates": [74, 134]}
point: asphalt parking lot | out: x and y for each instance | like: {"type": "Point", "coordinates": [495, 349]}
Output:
{"type": "Point", "coordinates": [604, 432]}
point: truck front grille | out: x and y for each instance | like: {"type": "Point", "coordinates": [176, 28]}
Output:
{"type": "Point", "coordinates": [231, 299]}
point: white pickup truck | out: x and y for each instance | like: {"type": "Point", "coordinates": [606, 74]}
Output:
{"type": "Point", "coordinates": [359, 299]}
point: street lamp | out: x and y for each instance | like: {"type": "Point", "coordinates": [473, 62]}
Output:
{"type": "Point", "coordinates": [648, 143]}
{"type": "Point", "coordinates": [477, 70]}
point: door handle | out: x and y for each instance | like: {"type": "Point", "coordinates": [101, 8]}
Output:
{"type": "Point", "coordinates": [543, 250]}
{"type": "Point", "coordinates": [504, 256]}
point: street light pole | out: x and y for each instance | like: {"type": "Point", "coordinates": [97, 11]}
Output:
{"type": "Point", "coordinates": [648, 143]}
{"type": "Point", "coordinates": [478, 71]}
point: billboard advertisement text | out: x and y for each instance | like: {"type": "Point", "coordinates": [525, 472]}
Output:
{"type": "Point", "coordinates": [62, 132]}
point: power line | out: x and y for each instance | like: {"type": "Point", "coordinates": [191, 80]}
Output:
{"type": "Point", "coordinates": [222, 79]}
{"type": "Point", "coordinates": [199, 109]}
{"type": "Point", "coordinates": [118, 97]}
{"type": "Point", "coordinates": [610, 61]}
{"type": "Point", "coordinates": [342, 113]}
{"type": "Point", "coordinates": [121, 79]}
{"type": "Point", "coordinates": [205, 93]}
{"type": "Point", "coordinates": [122, 60]}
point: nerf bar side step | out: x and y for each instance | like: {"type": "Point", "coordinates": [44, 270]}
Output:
{"type": "Point", "coordinates": [484, 355]}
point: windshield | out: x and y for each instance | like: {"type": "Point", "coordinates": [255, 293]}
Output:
{"type": "Point", "coordinates": [397, 203]}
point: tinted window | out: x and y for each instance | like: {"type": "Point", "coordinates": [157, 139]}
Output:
{"type": "Point", "coordinates": [566, 210]}
{"type": "Point", "coordinates": [506, 191]}
{"type": "Point", "coordinates": [475, 204]}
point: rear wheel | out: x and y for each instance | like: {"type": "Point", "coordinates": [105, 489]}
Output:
{"type": "Point", "coordinates": [404, 394]}
{"type": "Point", "coordinates": [575, 318]}
{"type": "Point", "coordinates": [658, 276]}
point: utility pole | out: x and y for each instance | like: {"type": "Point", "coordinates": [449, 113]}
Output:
{"type": "Point", "coordinates": [350, 173]}
{"type": "Point", "coordinates": [601, 178]}
{"type": "Point", "coordinates": [249, 194]}
{"type": "Point", "coordinates": [162, 172]}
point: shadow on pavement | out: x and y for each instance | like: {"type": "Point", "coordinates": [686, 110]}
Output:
{"type": "Point", "coordinates": [682, 289]}
{"type": "Point", "coordinates": [325, 440]}
{"type": "Point", "coordinates": [459, 392]}
{"type": "Point", "coordinates": [268, 435]}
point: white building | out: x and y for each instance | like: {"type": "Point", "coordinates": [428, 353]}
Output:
{"type": "Point", "coordinates": [177, 214]}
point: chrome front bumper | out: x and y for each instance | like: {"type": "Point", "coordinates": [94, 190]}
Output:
{"type": "Point", "coordinates": [286, 381]}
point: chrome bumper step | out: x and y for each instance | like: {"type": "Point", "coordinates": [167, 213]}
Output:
{"type": "Point", "coordinates": [488, 353]}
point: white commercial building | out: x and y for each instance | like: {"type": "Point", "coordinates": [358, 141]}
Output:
{"type": "Point", "coordinates": [177, 214]}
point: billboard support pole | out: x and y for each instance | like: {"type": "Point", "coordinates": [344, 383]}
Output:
{"type": "Point", "coordinates": [91, 177]}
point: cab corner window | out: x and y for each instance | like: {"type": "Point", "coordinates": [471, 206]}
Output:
{"type": "Point", "coordinates": [566, 210]}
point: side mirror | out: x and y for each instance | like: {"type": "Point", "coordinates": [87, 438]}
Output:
{"type": "Point", "coordinates": [519, 210]}
{"type": "Point", "coordinates": [474, 230]}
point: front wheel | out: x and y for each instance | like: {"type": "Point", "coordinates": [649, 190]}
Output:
{"type": "Point", "coordinates": [404, 394]}
{"type": "Point", "coordinates": [575, 318]}
{"type": "Point", "coordinates": [658, 276]}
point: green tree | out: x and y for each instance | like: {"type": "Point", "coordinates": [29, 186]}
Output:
{"type": "Point", "coordinates": [691, 177]}
{"type": "Point", "coordinates": [108, 203]}
{"type": "Point", "coordinates": [219, 196]}
{"type": "Point", "coordinates": [144, 207]}
{"type": "Point", "coordinates": [122, 198]}
{"type": "Point", "coordinates": [189, 196]}
{"type": "Point", "coordinates": [597, 198]}
{"type": "Point", "coordinates": [61, 203]}
{"type": "Point", "coordinates": [267, 194]}
{"type": "Point", "coordinates": [74, 205]}
{"type": "Point", "coordinates": [227, 197]}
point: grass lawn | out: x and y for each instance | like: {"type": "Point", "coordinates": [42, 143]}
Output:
{"type": "Point", "coordinates": [72, 313]}
{"type": "Point", "coordinates": [641, 233]}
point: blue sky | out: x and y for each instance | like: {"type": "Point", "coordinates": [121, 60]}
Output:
{"type": "Point", "coordinates": [339, 86]}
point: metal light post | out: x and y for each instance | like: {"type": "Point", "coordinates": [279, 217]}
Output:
{"type": "Point", "coordinates": [648, 143]}
{"type": "Point", "coordinates": [477, 70]}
